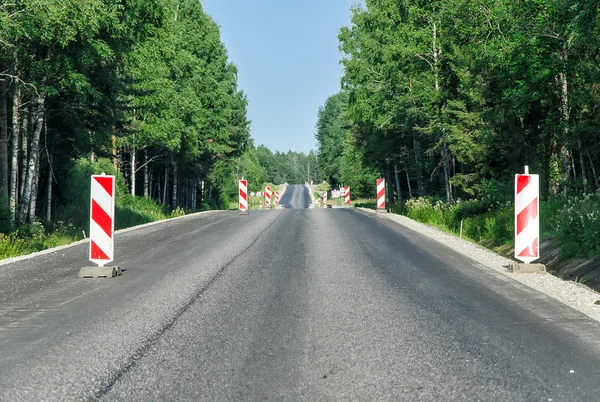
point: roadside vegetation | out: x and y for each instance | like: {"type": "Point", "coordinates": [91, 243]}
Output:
{"type": "Point", "coordinates": [142, 89]}
{"type": "Point", "coordinates": [448, 100]}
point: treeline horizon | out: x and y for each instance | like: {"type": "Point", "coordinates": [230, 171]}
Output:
{"type": "Point", "coordinates": [451, 98]}
{"type": "Point", "coordinates": [144, 87]}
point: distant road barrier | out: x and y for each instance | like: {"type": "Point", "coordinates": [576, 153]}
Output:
{"type": "Point", "coordinates": [347, 195]}
{"type": "Point", "coordinates": [268, 197]}
{"type": "Point", "coordinates": [380, 194]}
{"type": "Point", "coordinates": [243, 196]}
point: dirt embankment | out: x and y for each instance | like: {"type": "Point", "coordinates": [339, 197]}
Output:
{"type": "Point", "coordinates": [582, 270]}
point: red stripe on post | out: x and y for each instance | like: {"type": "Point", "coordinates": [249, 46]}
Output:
{"type": "Point", "coordinates": [522, 182]}
{"type": "Point", "coordinates": [532, 250]}
{"type": "Point", "coordinates": [106, 183]}
{"type": "Point", "coordinates": [97, 253]}
{"type": "Point", "coordinates": [101, 218]}
{"type": "Point", "coordinates": [528, 214]}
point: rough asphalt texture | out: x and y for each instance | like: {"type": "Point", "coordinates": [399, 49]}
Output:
{"type": "Point", "coordinates": [291, 304]}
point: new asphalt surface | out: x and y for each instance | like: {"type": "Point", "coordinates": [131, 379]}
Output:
{"type": "Point", "coordinates": [288, 304]}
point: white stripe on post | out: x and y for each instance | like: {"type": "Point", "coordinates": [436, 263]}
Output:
{"type": "Point", "coordinates": [102, 223]}
{"type": "Point", "coordinates": [380, 193]}
{"type": "Point", "coordinates": [527, 223]}
{"type": "Point", "coordinates": [243, 195]}
{"type": "Point", "coordinates": [268, 197]}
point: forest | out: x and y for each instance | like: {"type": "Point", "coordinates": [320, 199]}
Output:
{"type": "Point", "coordinates": [142, 89]}
{"type": "Point", "coordinates": [449, 99]}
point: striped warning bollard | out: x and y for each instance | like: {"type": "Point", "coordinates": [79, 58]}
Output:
{"type": "Point", "coordinates": [268, 197]}
{"type": "Point", "coordinates": [260, 204]}
{"type": "Point", "coordinates": [325, 199]}
{"type": "Point", "coordinates": [276, 197]}
{"type": "Point", "coordinates": [243, 197]}
{"type": "Point", "coordinates": [102, 228]}
{"type": "Point", "coordinates": [381, 194]}
{"type": "Point", "coordinates": [347, 195]}
{"type": "Point", "coordinates": [527, 224]}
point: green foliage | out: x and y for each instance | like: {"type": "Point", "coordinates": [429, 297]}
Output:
{"type": "Point", "coordinates": [577, 227]}
{"type": "Point", "coordinates": [458, 94]}
{"type": "Point", "coordinates": [132, 211]}
{"type": "Point", "coordinates": [492, 225]}
{"type": "Point", "coordinates": [77, 208]}
{"type": "Point", "coordinates": [36, 237]}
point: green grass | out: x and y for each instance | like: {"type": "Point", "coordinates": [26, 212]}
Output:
{"type": "Point", "coordinates": [572, 224]}
{"type": "Point", "coordinates": [129, 211]}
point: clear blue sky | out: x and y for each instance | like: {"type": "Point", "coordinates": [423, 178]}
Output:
{"type": "Point", "coordinates": [287, 55]}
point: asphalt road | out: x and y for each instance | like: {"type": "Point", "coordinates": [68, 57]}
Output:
{"type": "Point", "coordinates": [290, 304]}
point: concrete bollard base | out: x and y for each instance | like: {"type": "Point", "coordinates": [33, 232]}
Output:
{"type": "Point", "coordinates": [381, 211]}
{"type": "Point", "coordinates": [99, 272]}
{"type": "Point", "coordinates": [244, 213]}
{"type": "Point", "coordinates": [521, 268]}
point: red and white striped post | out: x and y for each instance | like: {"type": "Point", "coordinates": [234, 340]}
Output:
{"type": "Point", "coordinates": [347, 195]}
{"type": "Point", "coordinates": [268, 197]}
{"type": "Point", "coordinates": [325, 199]}
{"type": "Point", "coordinates": [527, 224]}
{"type": "Point", "coordinates": [243, 197]}
{"type": "Point", "coordinates": [276, 197]}
{"type": "Point", "coordinates": [381, 194]}
{"type": "Point", "coordinates": [102, 228]}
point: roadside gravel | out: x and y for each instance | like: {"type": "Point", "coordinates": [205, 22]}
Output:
{"type": "Point", "coordinates": [572, 294]}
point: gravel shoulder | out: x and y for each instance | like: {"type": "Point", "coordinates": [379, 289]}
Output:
{"type": "Point", "coordinates": [573, 294]}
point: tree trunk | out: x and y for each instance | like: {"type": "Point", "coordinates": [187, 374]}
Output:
{"type": "Point", "coordinates": [14, 173]}
{"type": "Point", "coordinates": [114, 148]}
{"type": "Point", "coordinates": [398, 188]}
{"type": "Point", "coordinates": [446, 166]}
{"type": "Point", "coordinates": [36, 183]}
{"type": "Point", "coordinates": [436, 51]}
{"type": "Point", "coordinates": [24, 149]}
{"type": "Point", "coordinates": [453, 188]}
{"type": "Point", "coordinates": [582, 166]}
{"type": "Point", "coordinates": [408, 182]}
{"type": "Point", "coordinates": [132, 169]}
{"type": "Point", "coordinates": [146, 175]}
{"type": "Point", "coordinates": [565, 113]}
{"type": "Point", "coordinates": [33, 160]}
{"type": "Point", "coordinates": [158, 190]}
{"type": "Point", "coordinates": [4, 191]}
{"type": "Point", "coordinates": [390, 188]}
{"type": "Point", "coordinates": [174, 194]}
{"type": "Point", "coordinates": [194, 193]}
{"type": "Point", "coordinates": [165, 187]}
{"type": "Point", "coordinates": [596, 182]}
{"type": "Point", "coordinates": [34, 192]}
{"type": "Point", "coordinates": [49, 191]}
{"type": "Point", "coordinates": [418, 166]}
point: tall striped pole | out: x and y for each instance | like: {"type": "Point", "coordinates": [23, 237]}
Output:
{"type": "Point", "coordinates": [325, 199]}
{"type": "Point", "coordinates": [268, 197]}
{"type": "Point", "coordinates": [380, 194]}
{"type": "Point", "coordinates": [243, 185]}
{"type": "Point", "coordinates": [527, 224]}
{"type": "Point", "coordinates": [347, 195]}
{"type": "Point", "coordinates": [102, 228]}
